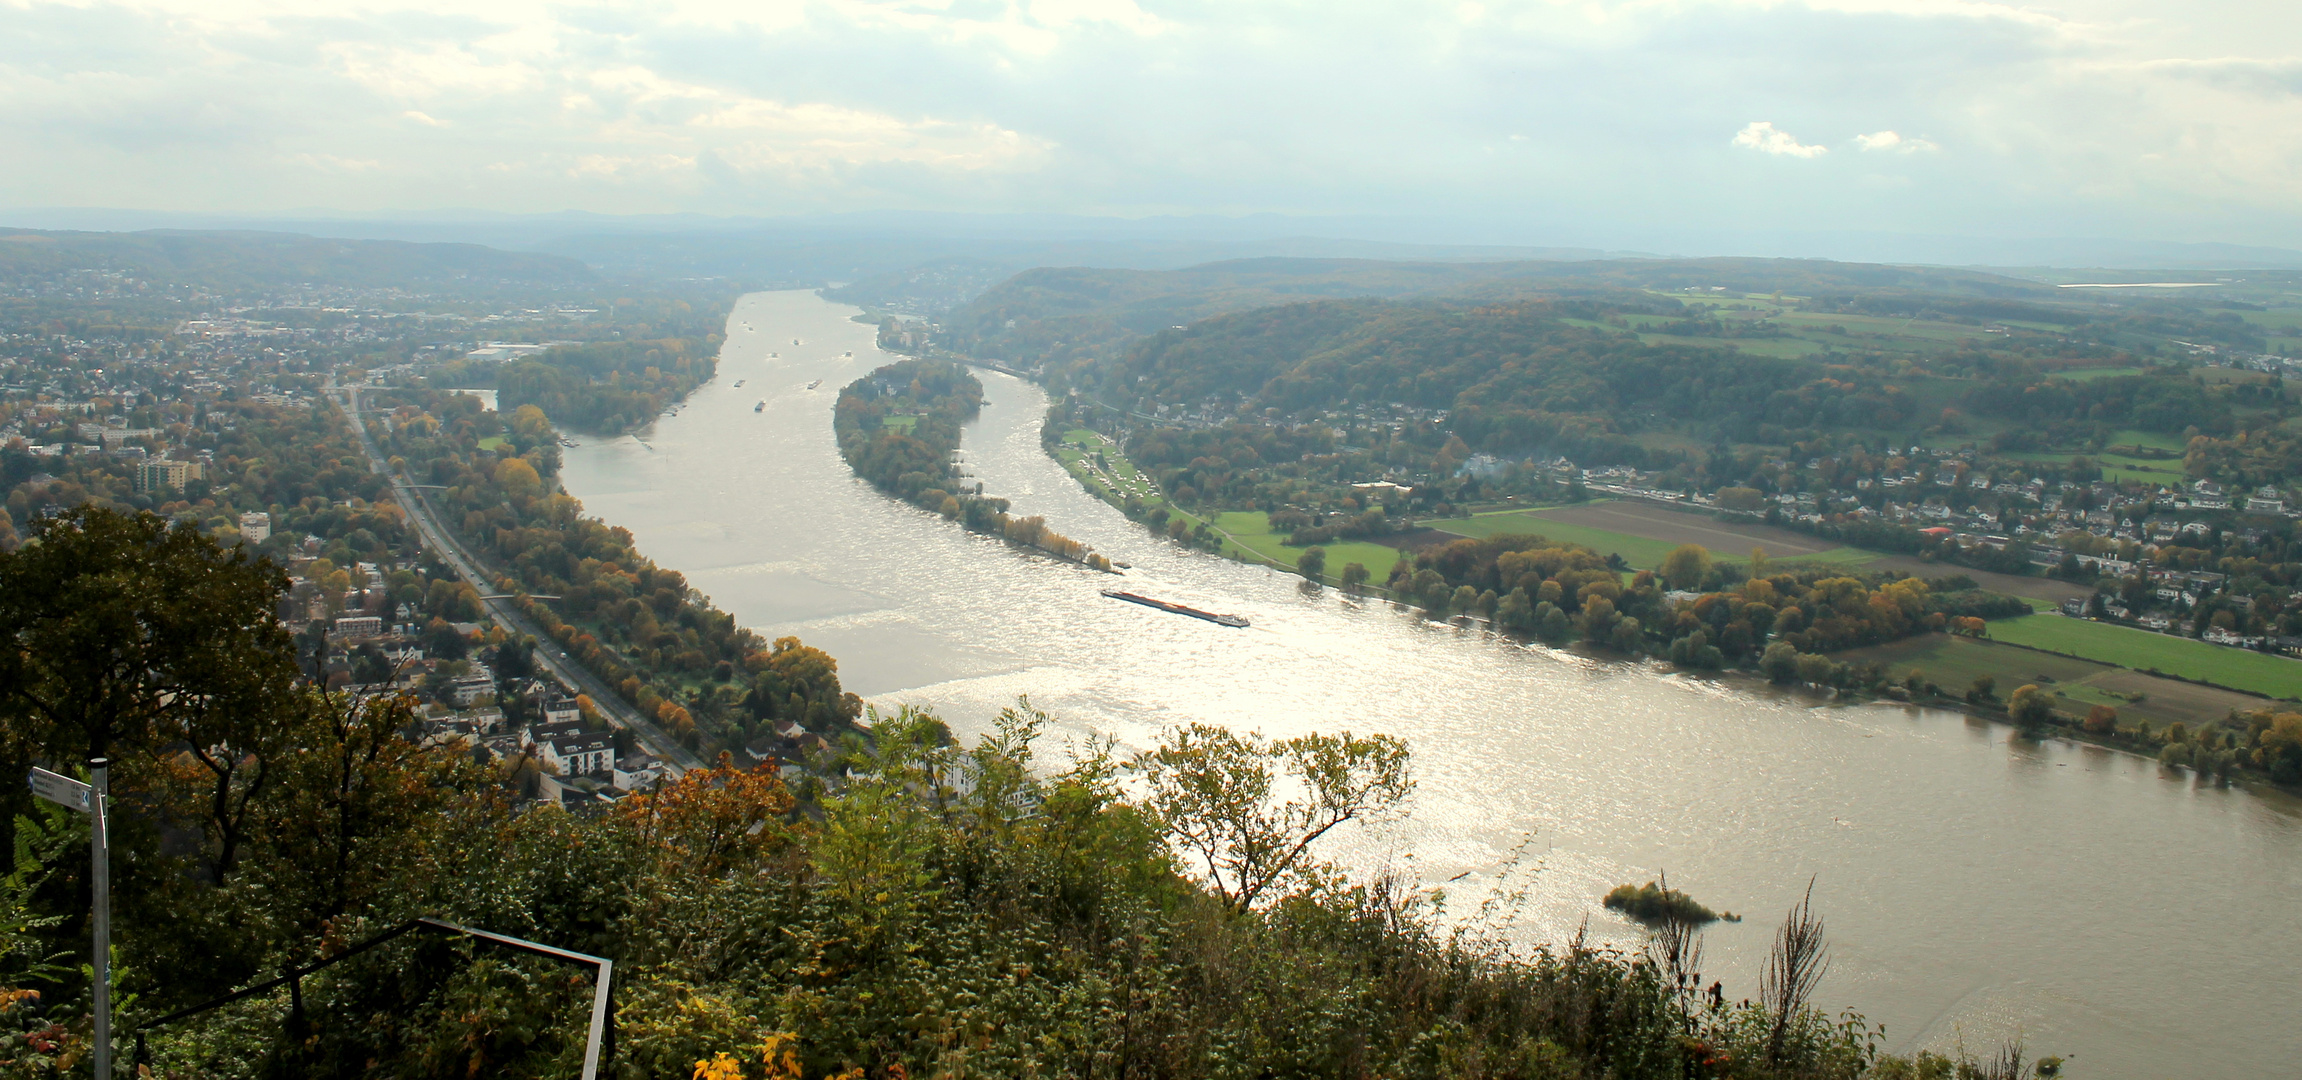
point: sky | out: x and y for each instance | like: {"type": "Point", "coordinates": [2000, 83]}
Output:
{"type": "Point", "coordinates": [2169, 120]}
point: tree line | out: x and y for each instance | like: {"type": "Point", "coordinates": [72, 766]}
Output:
{"type": "Point", "coordinates": [637, 625]}
{"type": "Point", "coordinates": [898, 428]}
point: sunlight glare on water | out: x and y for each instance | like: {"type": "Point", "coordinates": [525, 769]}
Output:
{"type": "Point", "coordinates": [1975, 886]}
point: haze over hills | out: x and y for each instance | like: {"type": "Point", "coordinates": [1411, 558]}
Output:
{"type": "Point", "coordinates": [240, 259]}
{"type": "Point", "coordinates": [980, 249]}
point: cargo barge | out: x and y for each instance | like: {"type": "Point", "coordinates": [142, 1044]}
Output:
{"type": "Point", "coordinates": [1163, 605]}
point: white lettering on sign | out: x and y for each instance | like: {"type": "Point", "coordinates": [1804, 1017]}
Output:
{"type": "Point", "coordinates": [63, 790]}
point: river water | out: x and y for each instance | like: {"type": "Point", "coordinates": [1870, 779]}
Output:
{"type": "Point", "coordinates": [1975, 886]}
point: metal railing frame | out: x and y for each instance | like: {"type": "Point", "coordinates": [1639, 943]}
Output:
{"type": "Point", "coordinates": [598, 1046]}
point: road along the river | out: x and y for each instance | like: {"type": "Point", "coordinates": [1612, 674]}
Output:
{"type": "Point", "coordinates": [610, 704]}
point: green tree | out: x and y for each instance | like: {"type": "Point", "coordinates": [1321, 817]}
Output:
{"type": "Point", "coordinates": [2030, 707]}
{"type": "Point", "coordinates": [1553, 624]}
{"type": "Point", "coordinates": [126, 632]}
{"type": "Point", "coordinates": [1312, 564]}
{"type": "Point", "coordinates": [1216, 794]}
{"type": "Point", "coordinates": [800, 683]}
{"type": "Point", "coordinates": [1354, 576]}
{"type": "Point", "coordinates": [1779, 662]}
{"type": "Point", "coordinates": [1686, 566]}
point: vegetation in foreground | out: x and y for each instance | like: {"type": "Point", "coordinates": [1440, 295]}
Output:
{"type": "Point", "coordinates": [941, 911]}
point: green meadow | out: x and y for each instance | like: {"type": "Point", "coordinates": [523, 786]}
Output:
{"type": "Point", "coordinates": [2141, 650]}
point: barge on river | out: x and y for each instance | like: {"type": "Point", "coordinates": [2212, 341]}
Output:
{"type": "Point", "coordinates": [1164, 605]}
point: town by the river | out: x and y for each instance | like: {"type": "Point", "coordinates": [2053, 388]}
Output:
{"type": "Point", "coordinates": [1976, 885]}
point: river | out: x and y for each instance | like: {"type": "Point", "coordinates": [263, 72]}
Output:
{"type": "Point", "coordinates": [1975, 886]}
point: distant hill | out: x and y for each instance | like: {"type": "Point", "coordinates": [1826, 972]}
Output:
{"type": "Point", "coordinates": [236, 260]}
{"type": "Point", "coordinates": [1058, 314]}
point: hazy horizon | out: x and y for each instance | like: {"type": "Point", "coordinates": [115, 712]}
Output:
{"type": "Point", "coordinates": [1602, 124]}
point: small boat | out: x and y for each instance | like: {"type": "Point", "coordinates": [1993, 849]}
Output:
{"type": "Point", "coordinates": [816, 383]}
{"type": "Point", "coordinates": [1168, 605]}
{"type": "Point", "coordinates": [739, 384]}
{"type": "Point", "coordinates": [795, 341]}
{"type": "Point", "coordinates": [761, 407]}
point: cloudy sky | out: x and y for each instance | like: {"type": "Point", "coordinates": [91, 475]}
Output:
{"type": "Point", "coordinates": [2117, 118]}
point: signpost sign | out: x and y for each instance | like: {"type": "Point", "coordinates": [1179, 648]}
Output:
{"type": "Point", "coordinates": [89, 799]}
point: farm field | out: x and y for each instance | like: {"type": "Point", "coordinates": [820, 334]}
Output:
{"type": "Point", "coordinates": [1953, 663]}
{"type": "Point", "coordinates": [1635, 550]}
{"type": "Point", "coordinates": [1786, 347]}
{"type": "Point", "coordinates": [1643, 533]}
{"type": "Point", "coordinates": [2142, 650]}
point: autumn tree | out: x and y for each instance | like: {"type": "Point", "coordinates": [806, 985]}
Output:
{"type": "Point", "coordinates": [799, 683]}
{"type": "Point", "coordinates": [2030, 707]}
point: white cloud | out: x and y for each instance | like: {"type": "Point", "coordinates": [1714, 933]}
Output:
{"type": "Point", "coordinates": [1895, 143]}
{"type": "Point", "coordinates": [754, 133]}
{"type": "Point", "coordinates": [2110, 116]}
{"type": "Point", "coordinates": [1764, 137]}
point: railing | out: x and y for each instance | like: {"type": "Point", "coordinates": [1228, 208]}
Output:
{"type": "Point", "coordinates": [599, 1044]}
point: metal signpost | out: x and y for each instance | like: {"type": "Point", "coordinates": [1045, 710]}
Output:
{"type": "Point", "coordinates": [89, 799]}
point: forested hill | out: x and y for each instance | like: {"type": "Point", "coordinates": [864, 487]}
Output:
{"type": "Point", "coordinates": [1510, 375]}
{"type": "Point", "coordinates": [238, 260]}
{"type": "Point", "coordinates": [1059, 314]}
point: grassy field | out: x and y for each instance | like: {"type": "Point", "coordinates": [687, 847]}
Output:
{"type": "Point", "coordinates": [1251, 530]}
{"type": "Point", "coordinates": [1953, 663]}
{"type": "Point", "coordinates": [2141, 650]}
{"type": "Point", "coordinates": [1649, 533]}
{"type": "Point", "coordinates": [494, 442]}
{"type": "Point", "coordinates": [1636, 550]}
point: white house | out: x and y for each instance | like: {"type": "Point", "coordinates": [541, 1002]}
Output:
{"type": "Point", "coordinates": [579, 755]}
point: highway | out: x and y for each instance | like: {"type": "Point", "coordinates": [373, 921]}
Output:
{"type": "Point", "coordinates": [654, 739]}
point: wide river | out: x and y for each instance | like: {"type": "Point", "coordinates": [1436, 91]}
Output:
{"type": "Point", "coordinates": [1975, 886]}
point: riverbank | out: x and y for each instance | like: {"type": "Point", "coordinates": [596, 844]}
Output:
{"type": "Point", "coordinates": [1915, 819]}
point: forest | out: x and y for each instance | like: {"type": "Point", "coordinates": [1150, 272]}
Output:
{"type": "Point", "coordinates": [944, 909]}
{"type": "Point", "coordinates": [898, 428]}
{"type": "Point", "coordinates": [1062, 315]}
{"type": "Point", "coordinates": [617, 372]}
{"type": "Point", "coordinates": [1720, 616]}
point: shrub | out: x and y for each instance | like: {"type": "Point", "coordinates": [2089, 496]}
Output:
{"type": "Point", "coordinates": [1652, 903]}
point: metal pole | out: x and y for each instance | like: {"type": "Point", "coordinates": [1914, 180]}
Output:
{"type": "Point", "coordinates": [100, 857]}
